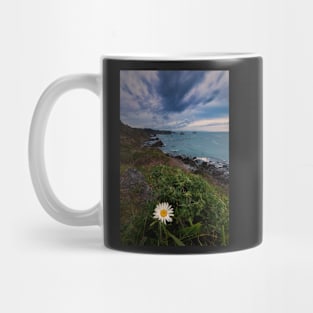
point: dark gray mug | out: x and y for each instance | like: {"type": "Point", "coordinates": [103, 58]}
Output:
{"type": "Point", "coordinates": [182, 153]}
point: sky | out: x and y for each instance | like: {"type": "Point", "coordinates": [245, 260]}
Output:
{"type": "Point", "coordinates": [175, 100]}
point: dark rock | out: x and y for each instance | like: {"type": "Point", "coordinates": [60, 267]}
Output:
{"type": "Point", "coordinates": [133, 181]}
{"type": "Point", "coordinates": [157, 131]}
{"type": "Point", "coordinates": [219, 171]}
{"type": "Point", "coordinates": [153, 142]}
{"type": "Point", "coordinates": [157, 143]}
{"type": "Point", "coordinates": [198, 161]}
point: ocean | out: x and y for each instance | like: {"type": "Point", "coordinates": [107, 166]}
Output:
{"type": "Point", "coordinates": [207, 145]}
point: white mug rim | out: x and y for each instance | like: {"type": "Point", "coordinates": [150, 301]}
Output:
{"type": "Point", "coordinates": [205, 56]}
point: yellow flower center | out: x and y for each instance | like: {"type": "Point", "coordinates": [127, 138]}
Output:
{"type": "Point", "coordinates": [163, 212]}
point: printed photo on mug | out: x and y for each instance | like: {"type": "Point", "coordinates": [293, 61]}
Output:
{"type": "Point", "coordinates": [181, 152]}
{"type": "Point", "coordinates": [174, 157]}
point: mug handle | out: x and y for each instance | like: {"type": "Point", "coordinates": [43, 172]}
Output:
{"type": "Point", "coordinates": [53, 206]}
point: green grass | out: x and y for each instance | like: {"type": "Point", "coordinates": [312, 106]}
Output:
{"type": "Point", "coordinates": [201, 212]}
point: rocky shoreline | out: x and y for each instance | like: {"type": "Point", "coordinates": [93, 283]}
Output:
{"type": "Point", "coordinates": [217, 169]}
{"type": "Point", "coordinates": [154, 141]}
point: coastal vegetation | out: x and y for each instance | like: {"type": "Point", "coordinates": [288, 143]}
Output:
{"type": "Point", "coordinates": [198, 203]}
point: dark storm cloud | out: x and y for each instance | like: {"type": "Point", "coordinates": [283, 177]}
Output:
{"type": "Point", "coordinates": [173, 86]}
{"type": "Point", "coordinates": [174, 99]}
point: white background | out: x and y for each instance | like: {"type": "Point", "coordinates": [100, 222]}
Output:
{"type": "Point", "coordinates": [49, 267]}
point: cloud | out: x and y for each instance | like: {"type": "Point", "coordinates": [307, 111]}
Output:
{"type": "Point", "coordinates": [213, 86]}
{"type": "Point", "coordinates": [176, 124]}
{"type": "Point", "coordinates": [215, 124]}
{"type": "Point", "coordinates": [173, 87]}
{"type": "Point", "coordinates": [175, 99]}
{"type": "Point", "coordinates": [138, 91]}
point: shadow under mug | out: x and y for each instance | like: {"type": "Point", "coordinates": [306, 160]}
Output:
{"type": "Point", "coordinates": [181, 153]}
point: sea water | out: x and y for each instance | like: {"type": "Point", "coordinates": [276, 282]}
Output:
{"type": "Point", "coordinates": [209, 145]}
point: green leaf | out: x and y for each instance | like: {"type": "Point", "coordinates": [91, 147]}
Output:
{"type": "Point", "coordinates": [177, 241]}
{"type": "Point", "coordinates": [192, 230]}
{"type": "Point", "coordinates": [154, 222]}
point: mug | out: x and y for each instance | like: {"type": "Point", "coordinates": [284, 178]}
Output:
{"type": "Point", "coordinates": [181, 153]}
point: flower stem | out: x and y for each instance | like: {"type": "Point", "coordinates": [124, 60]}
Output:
{"type": "Point", "coordinates": [165, 232]}
{"type": "Point", "coordinates": [160, 229]}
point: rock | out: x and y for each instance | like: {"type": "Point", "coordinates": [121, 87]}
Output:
{"type": "Point", "coordinates": [198, 161]}
{"type": "Point", "coordinates": [157, 143]}
{"type": "Point", "coordinates": [218, 165]}
{"type": "Point", "coordinates": [153, 142]}
{"type": "Point", "coordinates": [179, 157]}
{"type": "Point", "coordinates": [133, 181]}
{"type": "Point", "coordinates": [219, 171]}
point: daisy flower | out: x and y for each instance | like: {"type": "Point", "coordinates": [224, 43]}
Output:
{"type": "Point", "coordinates": [163, 212]}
